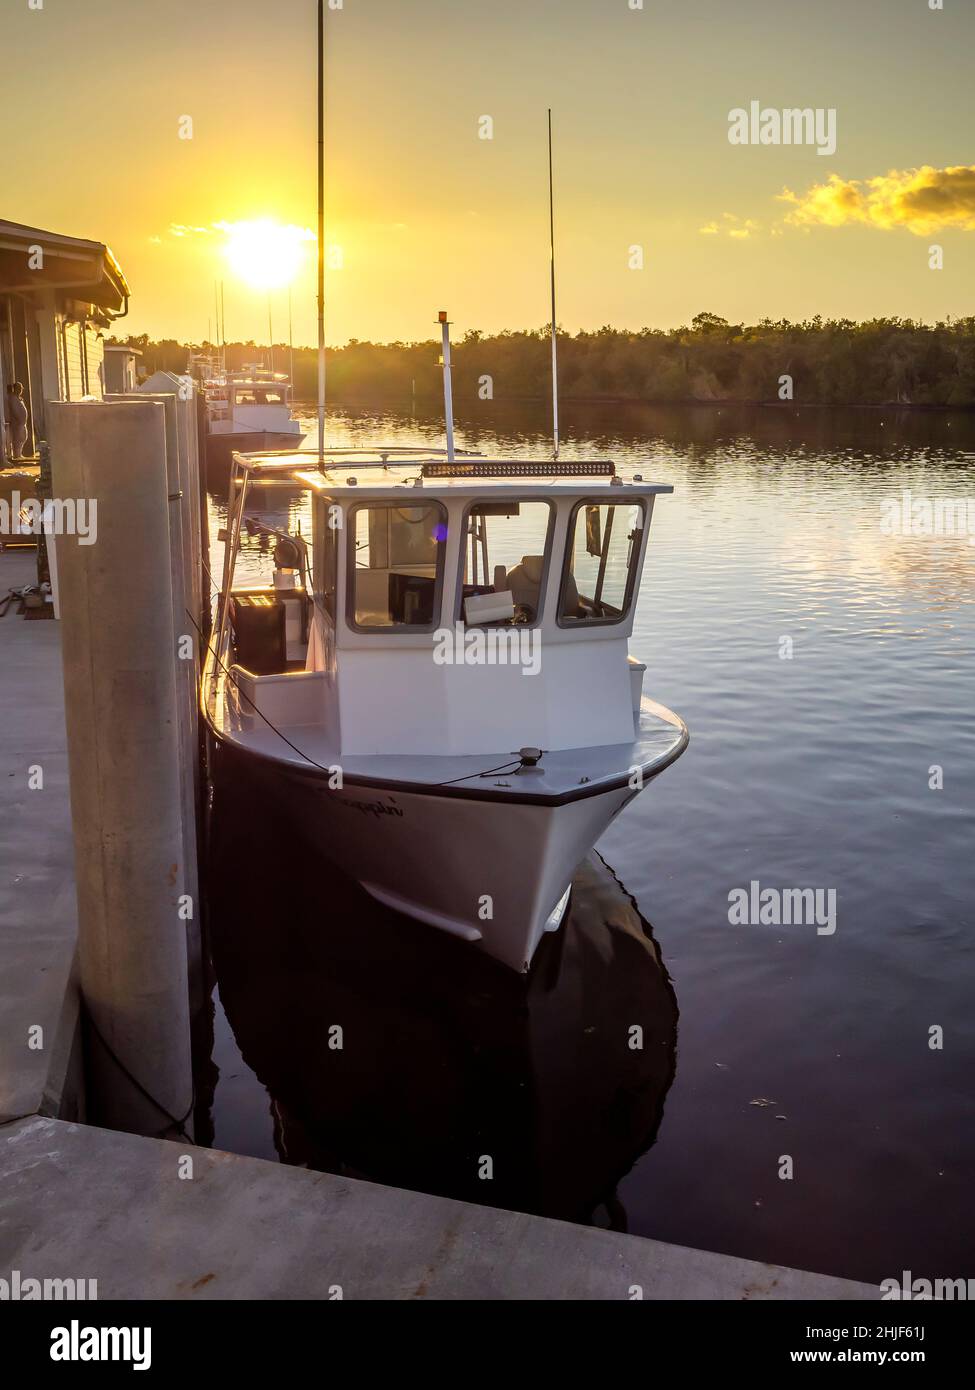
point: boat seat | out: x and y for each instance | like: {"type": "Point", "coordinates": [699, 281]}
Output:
{"type": "Point", "coordinates": [525, 583]}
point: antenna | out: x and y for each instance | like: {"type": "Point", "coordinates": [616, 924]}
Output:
{"type": "Point", "coordinates": [448, 398]}
{"type": "Point", "coordinates": [291, 345]}
{"type": "Point", "coordinates": [321, 235]}
{"type": "Point", "coordinates": [551, 234]}
{"type": "Point", "coordinates": [223, 330]}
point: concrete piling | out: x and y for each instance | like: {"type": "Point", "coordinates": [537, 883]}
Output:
{"type": "Point", "coordinates": [182, 472]}
{"type": "Point", "coordinates": [124, 755]}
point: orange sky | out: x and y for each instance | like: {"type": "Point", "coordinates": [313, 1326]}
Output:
{"type": "Point", "coordinates": [428, 215]}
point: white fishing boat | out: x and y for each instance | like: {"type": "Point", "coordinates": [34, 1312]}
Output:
{"type": "Point", "coordinates": [440, 694]}
{"type": "Point", "coordinates": [250, 409]}
{"type": "Point", "coordinates": [439, 690]}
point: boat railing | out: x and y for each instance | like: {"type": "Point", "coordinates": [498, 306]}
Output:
{"type": "Point", "coordinates": [379, 456]}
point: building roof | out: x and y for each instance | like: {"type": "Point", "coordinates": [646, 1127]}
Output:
{"type": "Point", "coordinates": [70, 264]}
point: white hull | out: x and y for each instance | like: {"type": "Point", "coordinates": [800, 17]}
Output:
{"type": "Point", "coordinates": [495, 873]}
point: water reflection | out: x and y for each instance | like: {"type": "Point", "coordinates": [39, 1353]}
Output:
{"type": "Point", "coordinates": [446, 1059]}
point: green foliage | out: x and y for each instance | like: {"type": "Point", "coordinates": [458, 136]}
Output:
{"type": "Point", "coordinates": [830, 361]}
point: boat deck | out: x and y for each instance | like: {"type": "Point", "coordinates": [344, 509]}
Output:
{"type": "Point", "coordinates": [564, 775]}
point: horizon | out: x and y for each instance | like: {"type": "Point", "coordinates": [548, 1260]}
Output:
{"type": "Point", "coordinates": [544, 330]}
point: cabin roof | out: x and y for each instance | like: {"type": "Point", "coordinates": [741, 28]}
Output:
{"type": "Point", "coordinates": [352, 472]}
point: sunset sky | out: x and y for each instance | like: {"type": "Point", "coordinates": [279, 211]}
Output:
{"type": "Point", "coordinates": [427, 215]}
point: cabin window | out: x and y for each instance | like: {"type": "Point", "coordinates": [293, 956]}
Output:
{"type": "Point", "coordinates": [601, 558]}
{"type": "Point", "coordinates": [506, 548]}
{"type": "Point", "coordinates": [396, 558]}
{"type": "Point", "coordinates": [260, 395]}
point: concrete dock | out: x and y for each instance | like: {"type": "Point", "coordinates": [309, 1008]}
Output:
{"type": "Point", "coordinates": [117, 1210]}
{"type": "Point", "coordinates": [80, 1202]}
{"type": "Point", "coordinates": [37, 892]}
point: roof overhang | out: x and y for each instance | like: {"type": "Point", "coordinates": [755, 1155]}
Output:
{"type": "Point", "coordinates": [85, 270]}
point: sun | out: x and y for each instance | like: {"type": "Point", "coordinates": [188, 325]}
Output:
{"type": "Point", "coordinates": [265, 253]}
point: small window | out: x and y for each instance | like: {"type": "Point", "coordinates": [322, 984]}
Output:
{"type": "Point", "coordinates": [506, 545]}
{"type": "Point", "coordinates": [601, 557]}
{"type": "Point", "coordinates": [396, 557]}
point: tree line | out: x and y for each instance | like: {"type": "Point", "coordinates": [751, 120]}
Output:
{"type": "Point", "coordinates": [816, 362]}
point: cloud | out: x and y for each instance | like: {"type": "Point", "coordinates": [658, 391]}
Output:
{"type": "Point", "coordinates": [740, 230]}
{"type": "Point", "coordinates": [923, 200]}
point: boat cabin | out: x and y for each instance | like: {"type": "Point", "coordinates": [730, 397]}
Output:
{"type": "Point", "coordinates": [252, 399]}
{"type": "Point", "coordinates": [488, 603]}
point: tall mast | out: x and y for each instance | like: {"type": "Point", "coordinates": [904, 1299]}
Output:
{"type": "Point", "coordinates": [321, 235]}
{"type": "Point", "coordinates": [448, 395]}
{"type": "Point", "coordinates": [270, 333]}
{"type": "Point", "coordinates": [291, 346]}
{"type": "Point", "coordinates": [551, 235]}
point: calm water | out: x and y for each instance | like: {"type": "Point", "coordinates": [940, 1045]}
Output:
{"type": "Point", "coordinates": [804, 772]}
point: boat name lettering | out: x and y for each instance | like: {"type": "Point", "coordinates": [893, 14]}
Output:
{"type": "Point", "coordinates": [375, 808]}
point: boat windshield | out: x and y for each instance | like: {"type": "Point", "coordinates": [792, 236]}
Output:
{"type": "Point", "coordinates": [506, 546]}
{"type": "Point", "coordinates": [259, 395]}
{"type": "Point", "coordinates": [601, 558]}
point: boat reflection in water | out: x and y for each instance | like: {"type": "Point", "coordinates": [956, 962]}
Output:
{"type": "Point", "coordinates": [449, 1066]}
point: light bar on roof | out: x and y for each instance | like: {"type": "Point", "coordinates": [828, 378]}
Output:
{"type": "Point", "coordinates": [518, 470]}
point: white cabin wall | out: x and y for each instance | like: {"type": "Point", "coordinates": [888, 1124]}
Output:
{"type": "Point", "coordinates": [321, 658]}
{"type": "Point", "coordinates": [402, 701]}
